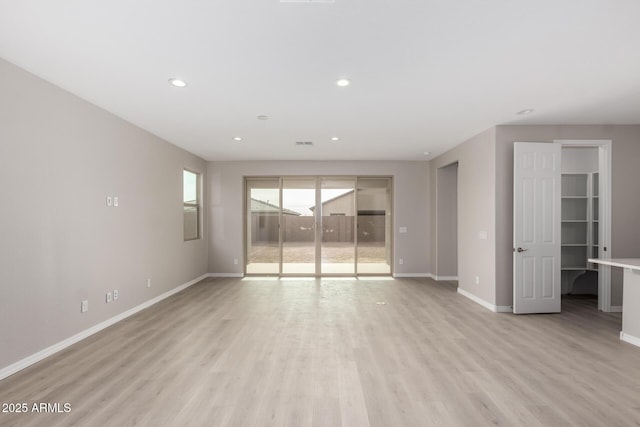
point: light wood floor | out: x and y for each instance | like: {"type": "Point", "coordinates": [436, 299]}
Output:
{"type": "Point", "coordinates": [231, 352]}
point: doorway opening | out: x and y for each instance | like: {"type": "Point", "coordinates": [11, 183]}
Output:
{"type": "Point", "coordinates": [318, 226]}
{"type": "Point", "coordinates": [447, 219]}
{"type": "Point", "coordinates": [585, 220]}
{"type": "Point", "coordinates": [560, 222]}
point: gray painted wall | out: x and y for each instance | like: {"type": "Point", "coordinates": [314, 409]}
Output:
{"type": "Point", "coordinates": [59, 158]}
{"type": "Point", "coordinates": [625, 199]}
{"type": "Point", "coordinates": [224, 212]}
{"type": "Point", "coordinates": [476, 212]}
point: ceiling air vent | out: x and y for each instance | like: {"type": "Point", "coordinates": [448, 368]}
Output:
{"type": "Point", "coordinates": [304, 143]}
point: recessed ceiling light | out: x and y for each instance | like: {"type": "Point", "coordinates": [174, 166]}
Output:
{"type": "Point", "coordinates": [262, 117]}
{"type": "Point", "coordinates": [343, 82]}
{"type": "Point", "coordinates": [178, 82]}
{"type": "Point", "coordinates": [335, 138]}
{"type": "Point", "coordinates": [237, 138]}
{"type": "Point", "coordinates": [525, 112]}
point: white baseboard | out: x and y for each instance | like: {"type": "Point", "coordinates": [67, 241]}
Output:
{"type": "Point", "coordinates": [485, 304]}
{"type": "Point", "coordinates": [448, 278]}
{"type": "Point", "coordinates": [630, 339]}
{"type": "Point", "coordinates": [225, 275]}
{"type": "Point", "coordinates": [615, 309]}
{"type": "Point", "coordinates": [430, 275]}
{"type": "Point", "coordinates": [36, 357]}
{"type": "Point", "coordinates": [412, 275]}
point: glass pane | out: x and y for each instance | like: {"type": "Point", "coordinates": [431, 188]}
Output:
{"type": "Point", "coordinates": [338, 221]}
{"type": "Point", "coordinates": [374, 225]}
{"type": "Point", "coordinates": [190, 222]}
{"type": "Point", "coordinates": [263, 203]}
{"type": "Point", "coordinates": [190, 187]}
{"type": "Point", "coordinates": [298, 226]}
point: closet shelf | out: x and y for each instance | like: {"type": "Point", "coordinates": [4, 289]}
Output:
{"type": "Point", "coordinates": [578, 211]}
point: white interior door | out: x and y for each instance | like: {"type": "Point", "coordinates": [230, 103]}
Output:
{"type": "Point", "coordinates": [536, 223]}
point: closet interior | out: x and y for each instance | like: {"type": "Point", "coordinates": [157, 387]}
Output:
{"type": "Point", "coordinates": [580, 213]}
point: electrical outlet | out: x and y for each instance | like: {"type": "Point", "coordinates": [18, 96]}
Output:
{"type": "Point", "coordinates": [477, 280]}
{"type": "Point", "coordinates": [235, 261]}
{"type": "Point", "coordinates": [115, 294]}
{"type": "Point", "coordinates": [148, 283]}
{"type": "Point", "coordinates": [84, 306]}
{"type": "Point", "coordinates": [109, 297]}
{"type": "Point", "coordinates": [401, 261]}
{"type": "Point", "coordinates": [116, 201]}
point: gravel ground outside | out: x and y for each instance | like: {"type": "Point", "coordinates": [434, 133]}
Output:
{"type": "Point", "coordinates": [332, 252]}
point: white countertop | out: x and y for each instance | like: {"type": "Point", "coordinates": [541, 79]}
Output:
{"type": "Point", "coordinates": [631, 263]}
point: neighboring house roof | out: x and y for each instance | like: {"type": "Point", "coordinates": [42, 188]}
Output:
{"type": "Point", "coordinates": [260, 206]}
{"type": "Point", "coordinates": [348, 193]}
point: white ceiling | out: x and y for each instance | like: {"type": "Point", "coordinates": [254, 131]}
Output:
{"type": "Point", "coordinates": [426, 74]}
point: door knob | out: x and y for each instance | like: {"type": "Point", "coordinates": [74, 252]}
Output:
{"type": "Point", "coordinates": [522, 250]}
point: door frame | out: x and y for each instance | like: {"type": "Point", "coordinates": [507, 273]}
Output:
{"type": "Point", "coordinates": [604, 212]}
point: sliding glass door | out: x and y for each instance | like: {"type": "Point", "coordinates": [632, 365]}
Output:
{"type": "Point", "coordinates": [314, 226]}
{"type": "Point", "coordinates": [298, 226]}
{"type": "Point", "coordinates": [374, 225]}
{"type": "Point", "coordinates": [261, 228]}
{"type": "Point", "coordinates": [338, 208]}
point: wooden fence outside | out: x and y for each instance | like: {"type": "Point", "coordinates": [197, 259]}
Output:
{"type": "Point", "coordinates": [337, 228]}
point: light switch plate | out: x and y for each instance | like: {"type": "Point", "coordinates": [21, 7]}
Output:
{"type": "Point", "coordinates": [109, 201]}
{"type": "Point", "coordinates": [116, 201]}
